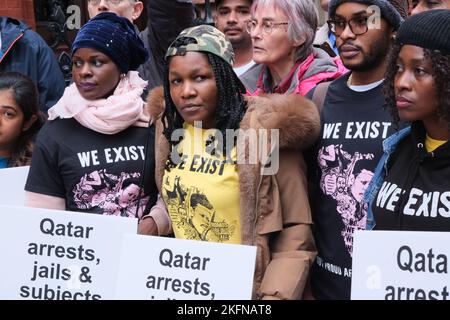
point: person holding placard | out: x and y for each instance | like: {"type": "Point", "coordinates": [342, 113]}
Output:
{"type": "Point", "coordinates": [98, 137]}
{"type": "Point", "coordinates": [231, 169]}
{"type": "Point", "coordinates": [410, 189]}
{"type": "Point", "coordinates": [20, 119]}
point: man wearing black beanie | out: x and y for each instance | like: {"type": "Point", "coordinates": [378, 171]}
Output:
{"type": "Point", "coordinates": [354, 124]}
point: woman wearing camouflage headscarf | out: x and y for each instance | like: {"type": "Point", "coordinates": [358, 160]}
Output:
{"type": "Point", "coordinates": [218, 181]}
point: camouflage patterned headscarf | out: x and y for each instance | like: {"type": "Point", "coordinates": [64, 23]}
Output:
{"type": "Point", "coordinates": [208, 38]}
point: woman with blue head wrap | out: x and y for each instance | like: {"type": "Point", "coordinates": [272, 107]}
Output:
{"type": "Point", "coordinates": [97, 134]}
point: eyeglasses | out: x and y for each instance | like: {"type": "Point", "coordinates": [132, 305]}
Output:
{"type": "Point", "coordinates": [267, 25]}
{"type": "Point", "coordinates": [357, 26]}
{"type": "Point", "coordinates": [113, 2]}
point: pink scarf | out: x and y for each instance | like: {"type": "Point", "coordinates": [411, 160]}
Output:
{"type": "Point", "coordinates": [124, 108]}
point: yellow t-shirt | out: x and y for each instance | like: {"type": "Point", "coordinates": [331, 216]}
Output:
{"type": "Point", "coordinates": [432, 144]}
{"type": "Point", "coordinates": [202, 192]}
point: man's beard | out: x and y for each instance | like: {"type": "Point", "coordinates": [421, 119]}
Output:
{"type": "Point", "coordinates": [241, 43]}
{"type": "Point", "coordinates": [375, 55]}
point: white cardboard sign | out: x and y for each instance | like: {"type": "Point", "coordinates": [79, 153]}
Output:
{"type": "Point", "coordinates": [401, 265]}
{"type": "Point", "coordinates": [12, 184]}
{"type": "Point", "coordinates": [165, 268]}
{"type": "Point", "coordinates": [59, 255]}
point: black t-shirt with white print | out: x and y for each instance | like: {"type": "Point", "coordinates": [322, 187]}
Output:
{"type": "Point", "coordinates": [94, 172]}
{"type": "Point", "coordinates": [354, 124]}
{"type": "Point", "coordinates": [415, 194]}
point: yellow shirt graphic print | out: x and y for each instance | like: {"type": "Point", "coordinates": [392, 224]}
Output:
{"type": "Point", "coordinates": [201, 192]}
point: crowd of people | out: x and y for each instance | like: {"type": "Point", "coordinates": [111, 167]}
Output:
{"type": "Point", "coordinates": [265, 129]}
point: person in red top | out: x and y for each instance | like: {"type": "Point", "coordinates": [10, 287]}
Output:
{"type": "Point", "coordinates": [283, 32]}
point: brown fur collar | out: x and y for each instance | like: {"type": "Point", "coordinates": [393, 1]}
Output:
{"type": "Point", "coordinates": [296, 117]}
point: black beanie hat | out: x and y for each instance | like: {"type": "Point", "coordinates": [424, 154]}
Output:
{"type": "Point", "coordinates": [392, 10]}
{"type": "Point", "coordinates": [114, 36]}
{"type": "Point", "coordinates": [428, 30]}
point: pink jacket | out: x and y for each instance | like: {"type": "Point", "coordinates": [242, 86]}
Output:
{"type": "Point", "coordinates": [305, 75]}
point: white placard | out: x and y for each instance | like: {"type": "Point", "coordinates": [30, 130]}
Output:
{"type": "Point", "coordinates": [49, 254]}
{"type": "Point", "coordinates": [12, 184]}
{"type": "Point", "coordinates": [401, 265]}
{"type": "Point", "coordinates": [164, 268]}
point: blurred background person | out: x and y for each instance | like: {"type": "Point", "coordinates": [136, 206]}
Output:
{"type": "Point", "coordinates": [130, 9]}
{"type": "Point", "coordinates": [325, 39]}
{"type": "Point", "coordinates": [425, 5]}
{"type": "Point", "coordinates": [204, 12]}
{"type": "Point", "coordinates": [20, 119]}
{"type": "Point", "coordinates": [23, 50]}
{"type": "Point", "coordinates": [231, 18]}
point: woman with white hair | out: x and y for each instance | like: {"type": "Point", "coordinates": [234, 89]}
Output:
{"type": "Point", "coordinates": [283, 32]}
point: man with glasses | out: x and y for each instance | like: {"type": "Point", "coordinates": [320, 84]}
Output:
{"type": "Point", "coordinates": [325, 39]}
{"type": "Point", "coordinates": [231, 18]}
{"type": "Point", "coordinates": [354, 124]}
{"type": "Point", "coordinates": [165, 20]}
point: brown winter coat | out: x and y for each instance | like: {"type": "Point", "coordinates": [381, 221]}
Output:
{"type": "Point", "coordinates": [275, 212]}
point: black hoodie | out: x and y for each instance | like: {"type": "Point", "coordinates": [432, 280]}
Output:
{"type": "Point", "coordinates": [415, 194]}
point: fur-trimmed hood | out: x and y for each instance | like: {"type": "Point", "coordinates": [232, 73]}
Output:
{"type": "Point", "coordinates": [296, 118]}
{"type": "Point", "coordinates": [274, 208]}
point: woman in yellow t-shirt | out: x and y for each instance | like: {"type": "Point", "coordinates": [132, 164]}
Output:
{"type": "Point", "coordinates": [230, 169]}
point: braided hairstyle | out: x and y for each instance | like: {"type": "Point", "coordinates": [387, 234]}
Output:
{"type": "Point", "coordinates": [441, 75]}
{"type": "Point", "coordinates": [231, 105]}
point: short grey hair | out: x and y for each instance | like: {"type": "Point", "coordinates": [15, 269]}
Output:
{"type": "Point", "coordinates": [302, 18]}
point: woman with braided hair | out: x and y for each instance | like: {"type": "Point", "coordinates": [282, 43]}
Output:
{"type": "Point", "coordinates": [223, 173]}
{"type": "Point", "coordinates": [410, 189]}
